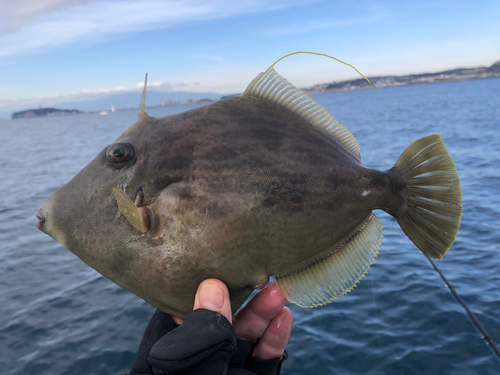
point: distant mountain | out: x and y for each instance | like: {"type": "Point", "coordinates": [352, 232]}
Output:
{"type": "Point", "coordinates": [131, 100]}
{"type": "Point", "coordinates": [495, 68]}
{"type": "Point", "coordinates": [41, 112]}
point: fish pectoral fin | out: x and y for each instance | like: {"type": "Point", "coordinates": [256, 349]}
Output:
{"type": "Point", "coordinates": [338, 273]}
{"type": "Point", "coordinates": [139, 217]}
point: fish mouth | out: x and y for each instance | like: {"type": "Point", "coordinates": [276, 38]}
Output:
{"type": "Point", "coordinates": [40, 222]}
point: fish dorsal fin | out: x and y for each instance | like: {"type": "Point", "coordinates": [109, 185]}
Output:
{"type": "Point", "coordinates": [142, 105]}
{"type": "Point", "coordinates": [273, 87]}
{"type": "Point", "coordinates": [339, 272]}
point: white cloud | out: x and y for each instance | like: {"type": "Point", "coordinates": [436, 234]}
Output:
{"type": "Point", "coordinates": [236, 80]}
{"type": "Point", "coordinates": [196, 83]}
{"type": "Point", "coordinates": [16, 13]}
{"type": "Point", "coordinates": [74, 96]}
{"type": "Point", "coordinates": [59, 22]}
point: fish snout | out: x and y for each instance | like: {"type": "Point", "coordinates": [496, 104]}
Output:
{"type": "Point", "coordinates": [41, 220]}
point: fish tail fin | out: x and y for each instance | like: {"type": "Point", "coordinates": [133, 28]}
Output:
{"type": "Point", "coordinates": [434, 211]}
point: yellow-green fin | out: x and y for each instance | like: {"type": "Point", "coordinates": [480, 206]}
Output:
{"type": "Point", "coordinates": [129, 210]}
{"type": "Point", "coordinates": [338, 273]}
{"type": "Point", "coordinates": [434, 196]}
{"type": "Point", "coordinates": [273, 87]}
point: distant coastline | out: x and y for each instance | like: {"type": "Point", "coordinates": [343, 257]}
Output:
{"type": "Point", "coordinates": [51, 112]}
{"type": "Point", "coordinates": [460, 74]}
{"type": "Point", "coordinates": [43, 112]}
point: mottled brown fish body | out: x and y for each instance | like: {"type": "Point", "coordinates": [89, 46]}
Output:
{"type": "Point", "coordinates": [260, 183]}
{"type": "Point", "coordinates": [238, 190]}
{"type": "Point", "coordinates": [242, 190]}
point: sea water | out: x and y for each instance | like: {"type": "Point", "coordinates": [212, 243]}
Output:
{"type": "Point", "coordinates": [58, 316]}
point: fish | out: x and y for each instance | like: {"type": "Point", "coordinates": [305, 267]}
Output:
{"type": "Point", "coordinates": [265, 184]}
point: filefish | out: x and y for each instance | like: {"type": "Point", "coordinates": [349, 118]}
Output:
{"type": "Point", "coordinates": [253, 186]}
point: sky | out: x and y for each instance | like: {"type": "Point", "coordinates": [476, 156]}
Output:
{"type": "Point", "coordinates": [53, 51]}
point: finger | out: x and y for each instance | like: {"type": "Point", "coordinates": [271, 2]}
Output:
{"type": "Point", "coordinates": [252, 321]}
{"type": "Point", "coordinates": [213, 295]}
{"type": "Point", "coordinates": [177, 320]}
{"type": "Point", "coordinates": [273, 342]}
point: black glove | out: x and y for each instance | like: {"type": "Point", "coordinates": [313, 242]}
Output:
{"type": "Point", "coordinates": [204, 344]}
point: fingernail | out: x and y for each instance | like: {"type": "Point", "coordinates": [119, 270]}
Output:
{"type": "Point", "coordinates": [211, 297]}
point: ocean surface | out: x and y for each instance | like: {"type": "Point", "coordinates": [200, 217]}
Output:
{"type": "Point", "coordinates": [58, 316]}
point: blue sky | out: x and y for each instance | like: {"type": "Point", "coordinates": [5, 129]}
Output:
{"type": "Point", "coordinates": [69, 50]}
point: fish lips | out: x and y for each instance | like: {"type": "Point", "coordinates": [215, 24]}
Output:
{"type": "Point", "coordinates": [41, 220]}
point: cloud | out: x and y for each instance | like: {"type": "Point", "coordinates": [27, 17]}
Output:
{"type": "Point", "coordinates": [210, 84]}
{"type": "Point", "coordinates": [59, 22]}
{"type": "Point", "coordinates": [86, 94]}
{"type": "Point", "coordinates": [207, 81]}
{"type": "Point", "coordinates": [74, 96]}
{"type": "Point", "coordinates": [158, 85]}
{"type": "Point", "coordinates": [20, 12]}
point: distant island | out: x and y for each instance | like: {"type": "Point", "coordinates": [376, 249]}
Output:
{"type": "Point", "coordinates": [461, 74]}
{"type": "Point", "coordinates": [42, 112]}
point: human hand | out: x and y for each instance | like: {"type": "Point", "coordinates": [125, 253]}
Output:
{"type": "Point", "coordinates": [264, 318]}
{"type": "Point", "coordinates": [195, 348]}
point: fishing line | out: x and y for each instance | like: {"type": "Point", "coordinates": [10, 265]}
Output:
{"type": "Point", "coordinates": [318, 54]}
{"type": "Point", "coordinates": [472, 318]}
{"type": "Point", "coordinates": [377, 330]}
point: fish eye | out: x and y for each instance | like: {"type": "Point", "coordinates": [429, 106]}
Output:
{"type": "Point", "coordinates": [120, 154]}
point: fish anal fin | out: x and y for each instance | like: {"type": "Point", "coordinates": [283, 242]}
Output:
{"type": "Point", "coordinates": [273, 87]}
{"type": "Point", "coordinates": [338, 273]}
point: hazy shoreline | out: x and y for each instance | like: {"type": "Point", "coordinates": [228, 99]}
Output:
{"type": "Point", "coordinates": [454, 75]}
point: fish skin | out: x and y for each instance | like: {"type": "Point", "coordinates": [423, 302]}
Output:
{"type": "Point", "coordinates": [241, 190]}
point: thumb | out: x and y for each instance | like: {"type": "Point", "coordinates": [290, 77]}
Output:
{"type": "Point", "coordinates": [213, 295]}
